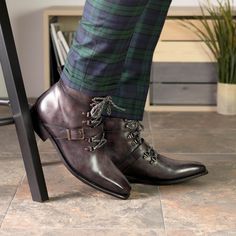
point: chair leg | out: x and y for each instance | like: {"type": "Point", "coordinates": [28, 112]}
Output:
{"type": "Point", "coordinates": [20, 108]}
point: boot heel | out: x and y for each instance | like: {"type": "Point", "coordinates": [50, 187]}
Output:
{"type": "Point", "coordinates": [38, 126]}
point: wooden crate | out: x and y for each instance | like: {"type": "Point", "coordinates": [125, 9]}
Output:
{"type": "Point", "coordinates": [183, 75]}
{"type": "Point", "coordinates": [191, 83]}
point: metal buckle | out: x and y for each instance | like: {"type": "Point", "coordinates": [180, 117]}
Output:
{"type": "Point", "coordinates": [80, 132]}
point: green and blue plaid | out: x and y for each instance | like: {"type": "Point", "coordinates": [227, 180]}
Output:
{"type": "Point", "coordinates": [113, 49]}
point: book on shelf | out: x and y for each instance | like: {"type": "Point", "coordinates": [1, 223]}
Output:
{"type": "Point", "coordinates": [69, 36]}
{"type": "Point", "coordinates": [63, 41]}
{"type": "Point", "coordinates": [55, 67]}
{"type": "Point", "coordinates": [60, 43]}
{"type": "Point", "coordinates": [56, 42]}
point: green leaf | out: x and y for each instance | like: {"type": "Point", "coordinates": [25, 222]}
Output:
{"type": "Point", "coordinates": [219, 35]}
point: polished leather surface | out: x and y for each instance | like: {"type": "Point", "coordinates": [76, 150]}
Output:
{"type": "Point", "coordinates": [129, 158]}
{"type": "Point", "coordinates": [62, 109]}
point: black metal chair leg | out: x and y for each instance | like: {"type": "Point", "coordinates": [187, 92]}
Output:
{"type": "Point", "coordinates": [20, 108]}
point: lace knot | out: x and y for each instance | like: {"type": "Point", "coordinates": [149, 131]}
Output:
{"type": "Point", "coordinates": [135, 128]}
{"type": "Point", "coordinates": [151, 155]}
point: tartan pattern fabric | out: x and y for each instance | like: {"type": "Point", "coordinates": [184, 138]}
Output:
{"type": "Point", "coordinates": [113, 49]}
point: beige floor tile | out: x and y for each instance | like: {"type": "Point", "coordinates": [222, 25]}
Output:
{"type": "Point", "coordinates": [11, 170]}
{"type": "Point", "coordinates": [185, 233]}
{"type": "Point", "coordinates": [190, 120]}
{"type": "Point", "coordinates": [76, 205]}
{"type": "Point", "coordinates": [206, 204]}
{"type": "Point", "coordinates": [82, 232]}
{"type": "Point", "coordinates": [195, 141]}
{"type": "Point", "coordinates": [223, 233]}
{"type": "Point", "coordinates": [9, 143]}
{"type": "Point", "coordinates": [200, 233]}
{"type": "Point", "coordinates": [202, 157]}
{"type": "Point", "coordinates": [11, 173]}
{"type": "Point", "coordinates": [7, 193]}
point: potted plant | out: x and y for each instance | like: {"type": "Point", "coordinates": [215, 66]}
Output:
{"type": "Point", "coordinates": [218, 31]}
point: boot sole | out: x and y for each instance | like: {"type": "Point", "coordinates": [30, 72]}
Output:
{"type": "Point", "coordinates": [164, 182]}
{"type": "Point", "coordinates": [42, 132]}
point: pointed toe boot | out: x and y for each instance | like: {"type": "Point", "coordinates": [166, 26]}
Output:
{"type": "Point", "coordinates": [139, 162]}
{"type": "Point", "coordinates": [73, 122]}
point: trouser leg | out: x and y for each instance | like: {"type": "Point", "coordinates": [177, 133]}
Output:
{"type": "Point", "coordinates": [134, 83]}
{"type": "Point", "coordinates": [96, 58]}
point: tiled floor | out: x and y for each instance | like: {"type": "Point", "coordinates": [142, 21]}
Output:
{"type": "Point", "coordinates": [203, 206]}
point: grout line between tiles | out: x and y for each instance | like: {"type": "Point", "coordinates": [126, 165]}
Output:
{"type": "Point", "coordinates": [18, 186]}
{"type": "Point", "coordinates": [149, 121]}
{"type": "Point", "coordinates": [84, 228]}
{"type": "Point", "coordinates": [162, 213]}
{"type": "Point", "coordinates": [201, 153]}
{"type": "Point", "coordinates": [152, 140]}
{"type": "Point", "coordinates": [193, 129]}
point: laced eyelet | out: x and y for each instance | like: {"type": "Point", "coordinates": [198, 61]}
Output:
{"type": "Point", "coordinates": [89, 149]}
{"type": "Point", "coordinates": [146, 157]}
{"type": "Point", "coordinates": [133, 143]}
{"type": "Point", "coordinates": [94, 118]}
{"type": "Point", "coordinates": [87, 122]}
{"type": "Point", "coordinates": [89, 140]}
{"type": "Point", "coordinates": [153, 162]}
{"type": "Point", "coordinates": [151, 156]}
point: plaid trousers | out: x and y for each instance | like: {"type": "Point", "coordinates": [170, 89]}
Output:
{"type": "Point", "coordinates": [112, 51]}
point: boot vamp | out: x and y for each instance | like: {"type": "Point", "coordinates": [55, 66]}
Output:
{"type": "Point", "coordinates": [162, 168]}
{"type": "Point", "coordinates": [120, 145]}
{"type": "Point", "coordinates": [95, 167]}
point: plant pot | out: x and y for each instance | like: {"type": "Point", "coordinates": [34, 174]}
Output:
{"type": "Point", "coordinates": [226, 99]}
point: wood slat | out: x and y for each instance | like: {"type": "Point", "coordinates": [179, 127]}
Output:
{"type": "Point", "coordinates": [183, 94]}
{"type": "Point", "coordinates": [199, 72]}
{"type": "Point", "coordinates": [182, 52]}
{"type": "Point", "coordinates": [174, 31]}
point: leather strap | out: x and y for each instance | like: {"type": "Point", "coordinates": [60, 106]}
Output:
{"type": "Point", "coordinates": [80, 133]}
{"type": "Point", "coordinates": [133, 156]}
{"type": "Point", "coordinates": [75, 134]}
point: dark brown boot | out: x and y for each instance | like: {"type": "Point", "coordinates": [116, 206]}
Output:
{"type": "Point", "coordinates": [73, 122]}
{"type": "Point", "coordinates": [139, 162]}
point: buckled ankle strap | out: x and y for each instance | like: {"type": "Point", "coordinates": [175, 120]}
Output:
{"type": "Point", "coordinates": [75, 134]}
{"type": "Point", "coordinates": [71, 134]}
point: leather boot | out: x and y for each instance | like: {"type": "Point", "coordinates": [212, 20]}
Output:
{"type": "Point", "coordinates": [139, 161]}
{"type": "Point", "coordinates": [73, 122]}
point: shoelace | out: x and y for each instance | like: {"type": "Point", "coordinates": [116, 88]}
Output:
{"type": "Point", "coordinates": [135, 133]}
{"type": "Point", "coordinates": [99, 104]}
{"type": "Point", "coordinates": [151, 155]}
{"type": "Point", "coordinates": [135, 128]}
